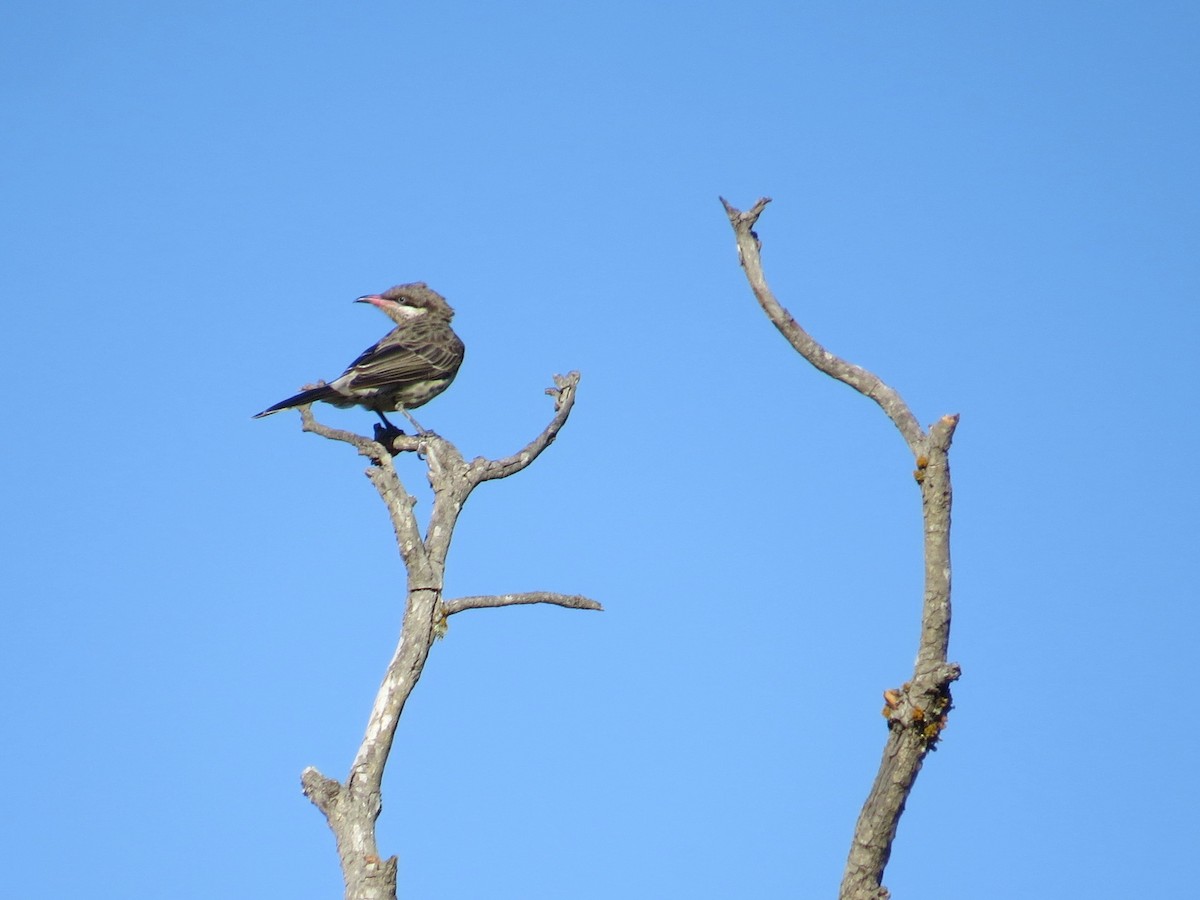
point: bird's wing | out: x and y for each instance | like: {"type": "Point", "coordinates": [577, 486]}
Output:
{"type": "Point", "coordinates": [406, 355]}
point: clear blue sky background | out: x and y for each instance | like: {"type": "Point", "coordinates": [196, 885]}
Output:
{"type": "Point", "coordinates": [993, 206]}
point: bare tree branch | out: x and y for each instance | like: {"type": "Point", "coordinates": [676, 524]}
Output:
{"type": "Point", "coordinates": [564, 400]}
{"type": "Point", "coordinates": [860, 379]}
{"type": "Point", "coordinates": [352, 808]}
{"type": "Point", "coordinates": [933, 473]}
{"type": "Point", "coordinates": [916, 712]}
{"type": "Point", "coordinates": [573, 601]}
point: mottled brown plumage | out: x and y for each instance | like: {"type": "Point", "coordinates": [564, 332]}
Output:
{"type": "Point", "coordinates": [410, 366]}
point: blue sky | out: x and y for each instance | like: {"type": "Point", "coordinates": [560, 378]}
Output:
{"type": "Point", "coordinates": [994, 207]}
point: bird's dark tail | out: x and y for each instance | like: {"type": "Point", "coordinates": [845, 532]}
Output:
{"type": "Point", "coordinates": [312, 395]}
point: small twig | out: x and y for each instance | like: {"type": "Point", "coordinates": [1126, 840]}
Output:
{"type": "Point", "coordinates": [916, 712]}
{"type": "Point", "coordinates": [572, 601]}
{"type": "Point", "coordinates": [322, 791]}
{"type": "Point", "coordinates": [401, 443]}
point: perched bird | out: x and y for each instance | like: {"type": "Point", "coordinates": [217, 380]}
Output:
{"type": "Point", "coordinates": [413, 363]}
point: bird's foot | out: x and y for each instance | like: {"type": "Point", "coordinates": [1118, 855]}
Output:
{"type": "Point", "coordinates": [386, 434]}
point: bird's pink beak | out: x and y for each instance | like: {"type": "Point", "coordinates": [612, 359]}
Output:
{"type": "Point", "coordinates": [373, 299]}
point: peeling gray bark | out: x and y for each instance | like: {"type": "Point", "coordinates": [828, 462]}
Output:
{"type": "Point", "coordinates": [352, 807]}
{"type": "Point", "coordinates": [916, 712]}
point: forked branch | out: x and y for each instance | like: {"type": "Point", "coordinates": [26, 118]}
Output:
{"type": "Point", "coordinates": [916, 712]}
{"type": "Point", "coordinates": [352, 807]}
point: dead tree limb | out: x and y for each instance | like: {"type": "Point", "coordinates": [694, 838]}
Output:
{"type": "Point", "coordinates": [352, 807]}
{"type": "Point", "coordinates": [916, 712]}
{"type": "Point", "coordinates": [570, 602]}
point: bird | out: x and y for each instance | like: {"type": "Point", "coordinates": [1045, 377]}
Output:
{"type": "Point", "coordinates": [411, 365]}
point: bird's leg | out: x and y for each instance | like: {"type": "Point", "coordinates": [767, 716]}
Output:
{"type": "Point", "coordinates": [416, 424]}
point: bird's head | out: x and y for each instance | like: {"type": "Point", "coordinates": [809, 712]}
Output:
{"type": "Point", "coordinates": [405, 302]}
